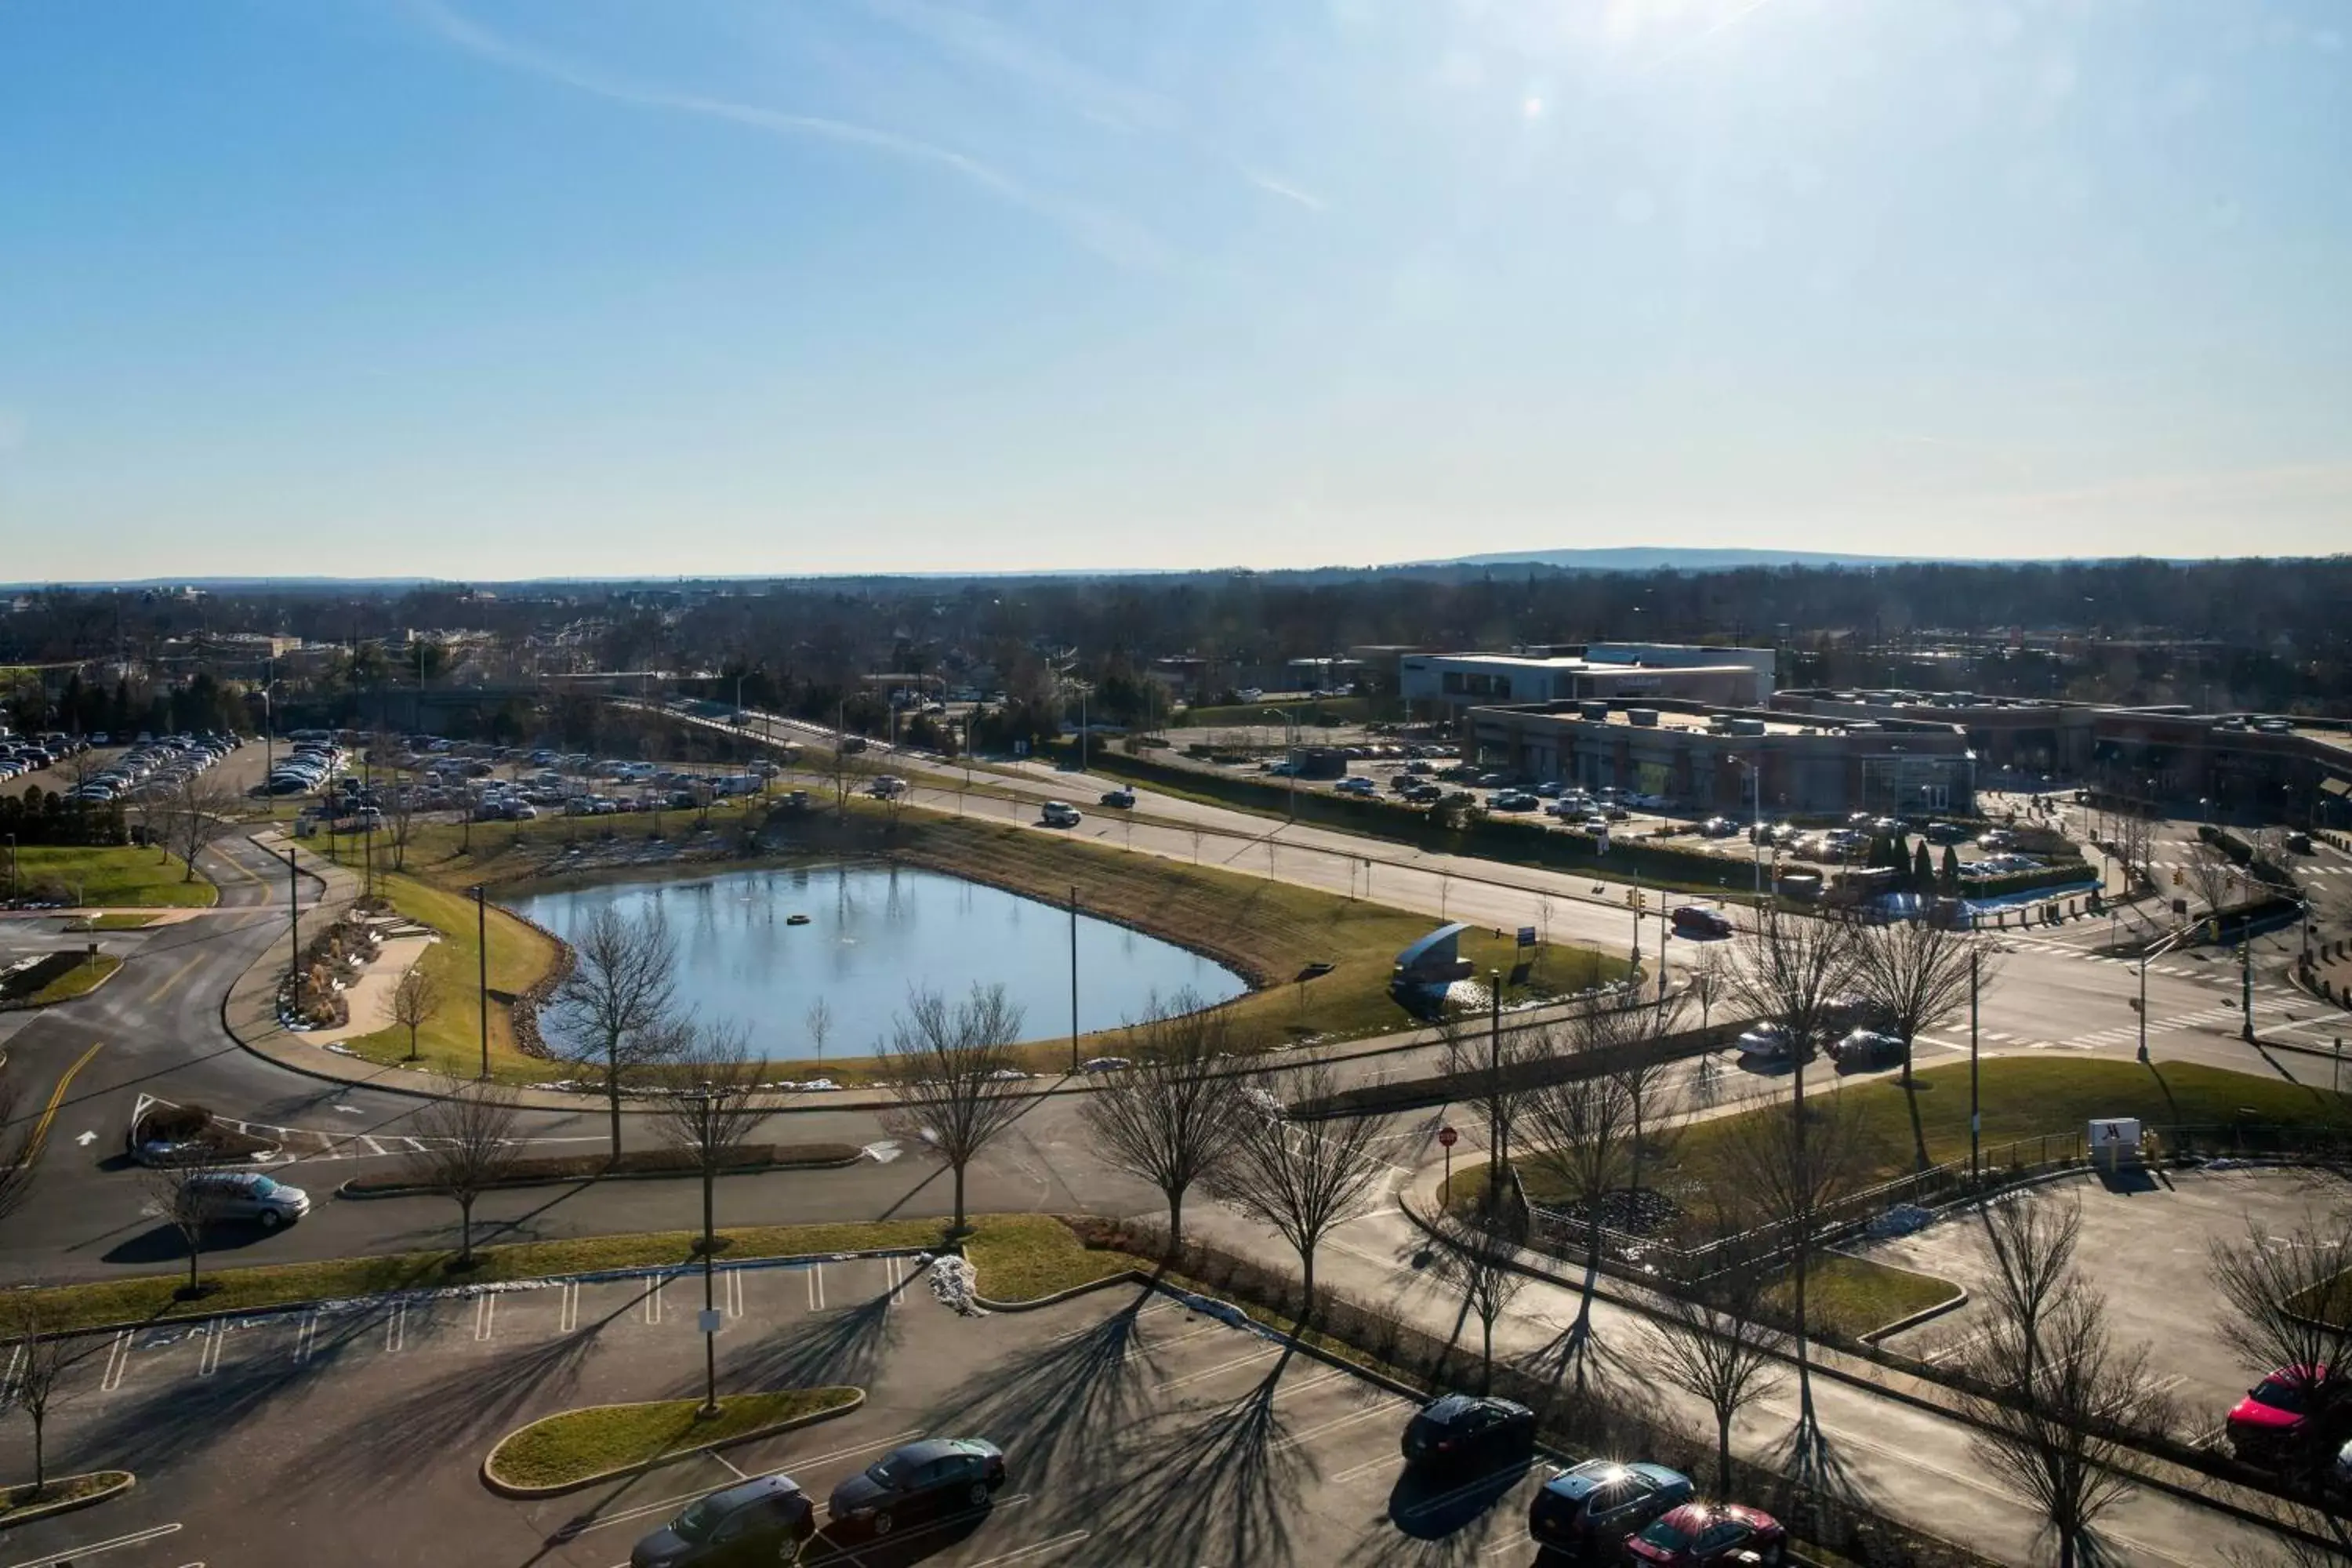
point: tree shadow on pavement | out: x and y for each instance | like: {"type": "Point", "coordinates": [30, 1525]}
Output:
{"type": "Point", "coordinates": [1069, 1399]}
{"type": "Point", "coordinates": [846, 1346]}
{"type": "Point", "coordinates": [1815, 1462]}
{"type": "Point", "coordinates": [1427, 1507]}
{"type": "Point", "coordinates": [1226, 1486]}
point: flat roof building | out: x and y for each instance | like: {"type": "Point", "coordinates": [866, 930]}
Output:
{"type": "Point", "coordinates": [1701, 757]}
{"type": "Point", "coordinates": [1449, 684]}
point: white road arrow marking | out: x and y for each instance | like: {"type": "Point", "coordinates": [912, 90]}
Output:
{"type": "Point", "coordinates": [349, 1109]}
{"type": "Point", "coordinates": [881, 1154]}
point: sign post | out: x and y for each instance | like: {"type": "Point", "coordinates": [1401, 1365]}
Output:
{"type": "Point", "coordinates": [1446, 1138]}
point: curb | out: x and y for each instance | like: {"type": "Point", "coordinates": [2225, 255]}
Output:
{"type": "Point", "coordinates": [96, 987]}
{"type": "Point", "coordinates": [1124, 1276]}
{"type": "Point", "coordinates": [73, 1505]}
{"type": "Point", "coordinates": [416, 1190]}
{"type": "Point", "coordinates": [524, 1493]}
{"type": "Point", "coordinates": [1958, 1299]}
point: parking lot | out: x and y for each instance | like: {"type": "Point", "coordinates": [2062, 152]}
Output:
{"type": "Point", "coordinates": [1137, 1431]}
{"type": "Point", "coordinates": [2146, 1246]}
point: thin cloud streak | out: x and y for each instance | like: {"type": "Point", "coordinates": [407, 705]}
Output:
{"type": "Point", "coordinates": [1108, 233]}
{"type": "Point", "coordinates": [1288, 192]}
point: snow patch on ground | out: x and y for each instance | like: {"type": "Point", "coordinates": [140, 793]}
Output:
{"type": "Point", "coordinates": [956, 1285]}
{"type": "Point", "coordinates": [1901, 1220]}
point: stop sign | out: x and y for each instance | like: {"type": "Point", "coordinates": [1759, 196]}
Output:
{"type": "Point", "coordinates": [1446, 1136]}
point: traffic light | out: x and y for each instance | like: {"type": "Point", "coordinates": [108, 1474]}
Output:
{"type": "Point", "coordinates": [2179, 878]}
{"type": "Point", "coordinates": [1633, 897]}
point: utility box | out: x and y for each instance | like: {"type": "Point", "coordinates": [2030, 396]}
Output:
{"type": "Point", "coordinates": [2114, 1142]}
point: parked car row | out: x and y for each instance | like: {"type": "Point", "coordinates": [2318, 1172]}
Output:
{"type": "Point", "coordinates": [154, 766]}
{"type": "Point", "coordinates": [310, 765]}
{"type": "Point", "coordinates": [1600, 1509]}
{"type": "Point", "coordinates": [767, 1518]}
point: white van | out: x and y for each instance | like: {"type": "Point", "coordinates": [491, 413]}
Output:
{"type": "Point", "coordinates": [888, 786]}
{"type": "Point", "coordinates": [1058, 813]}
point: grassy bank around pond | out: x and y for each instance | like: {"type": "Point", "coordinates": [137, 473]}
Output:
{"type": "Point", "coordinates": [1268, 931]}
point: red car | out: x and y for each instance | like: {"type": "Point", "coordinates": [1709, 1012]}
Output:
{"type": "Point", "coordinates": [2274, 1413]}
{"type": "Point", "coordinates": [1710, 1535]}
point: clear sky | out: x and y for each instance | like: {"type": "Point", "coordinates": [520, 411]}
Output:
{"type": "Point", "coordinates": [506, 288]}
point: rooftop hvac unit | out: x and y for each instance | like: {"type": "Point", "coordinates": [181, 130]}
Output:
{"type": "Point", "coordinates": [1642, 717]}
{"type": "Point", "coordinates": [1593, 713]}
{"type": "Point", "coordinates": [1748, 727]}
{"type": "Point", "coordinates": [1863, 724]}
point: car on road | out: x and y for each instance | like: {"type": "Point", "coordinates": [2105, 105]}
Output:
{"type": "Point", "coordinates": [1709, 1535]}
{"type": "Point", "coordinates": [1357, 783]}
{"type": "Point", "coordinates": [934, 1477]}
{"type": "Point", "coordinates": [1122, 798]}
{"type": "Point", "coordinates": [1866, 1048]}
{"type": "Point", "coordinates": [887, 786]}
{"type": "Point", "coordinates": [1108, 1064]}
{"type": "Point", "coordinates": [1460, 1431]}
{"type": "Point", "coordinates": [1768, 1041]}
{"type": "Point", "coordinates": [1513, 800]}
{"type": "Point", "coordinates": [225, 1195]}
{"type": "Point", "coordinates": [1058, 813]}
{"type": "Point", "coordinates": [764, 1520]}
{"type": "Point", "coordinates": [1589, 1508]}
{"type": "Point", "coordinates": [1697, 920]}
{"type": "Point", "coordinates": [2273, 1417]}
{"type": "Point", "coordinates": [1719, 827]}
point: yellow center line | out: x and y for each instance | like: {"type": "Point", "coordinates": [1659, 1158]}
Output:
{"type": "Point", "coordinates": [56, 1099]}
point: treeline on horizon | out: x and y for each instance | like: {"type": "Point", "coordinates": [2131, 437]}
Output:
{"type": "Point", "coordinates": [2239, 633]}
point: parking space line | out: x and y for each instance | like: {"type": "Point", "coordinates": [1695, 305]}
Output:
{"type": "Point", "coordinates": [1265, 1352]}
{"type": "Point", "coordinates": [664, 1505]}
{"type": "Point", "coordinates": [1519, 1542]}
{"type": "Point", "coordinates": [413, 1145]}
{"type": "Point", "coordinates": [890, 1284]}
{"type": "Point", "coordinates": [1365, 1469]}
{"type": "Point", "coordinates": [303, 1334]}
{"type": "Point", "coordinates": [735, 1286]}
{"type": "Point", "coordinates": [74, 1554]}
{"type": "Point", "coordinates": [1212, 1327]}
{"type": "Point", "coordinates": [118, 1357]}
{"type": "Point", "coordinates": [652, 1301]}
{"type": "Point", "coordinates": [208, 1359]}
{"type": "Point", "coordinates": [1027, 1552]}
{"type": "Point", "coordinates": [373, 1147]}
{"type": "Point", "coordinates": [1300, 1439]}
{"type": "Point", "coordinates": [816, 1286]}
{"type": "Point", "coordinates": [8, 1384]}
{"type": "Point", "coordinates": [395, 1327]}
{"type": "Point", "coordinates": [567, 1313]}
{"type": "Point", "coordinates": [486, 1307]}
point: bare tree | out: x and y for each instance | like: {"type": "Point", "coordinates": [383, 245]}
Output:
{"type": "Point", "coordinates": [2030, 1239]}
{"type": "Point", "coordinates": [469, 1147]}
{"type": "Point", "coordinates": [198, 812]}
{"type": "Point", "coordinates": [1916, 974]}
{"type": "Point", "coordinates": [818, 1021]}
{"type": "Point", "coordinates": [1478, 1264]}
{"type": "Point", "coordinates": [2052, 1410]}
{"type": "Point", "coordinates": [1494, 1068]}
{"type": "Point", "coordinates": [1793, 1163]}
{"type": "Point", "coordinates": [1175, 1114]}
{"type": "Point", "coordinates": [178, 1196]}
{"type": "Point", "coordinates": [1638, 1035]}
{"type": "Point", "coordinates": [416, 1001]}
{"type": "Point", "coordinates": [1716, 1343]}
{"type": "Point", "coordinates": [1793, 970]}
{"type": "Point", "coordinates": [1583, 1126]}
{"type": "Point", "coordinates": [951, 1069]}
{"type": "Point", "coordinates": [613, 1011]}
{"type": "Point", "coordinates": [43, 1354]}
{"type": "Point", "coordinates": [20, 1148]}
{"type": "Point", "coordinates": [2289, 1300]}
{"type": "Point", "coordinates": [401, 799]}
{"type": "Point", "coordinates": [1302, 1178]}
{"type": "Point", "coordinates": [712, 1109]}
{"type": "Point", "coordinates": [1706, 983]}
{"type": "Point", "coordinates": [2134, 834]}
{"type": "Point", "coordinates": [2212, 876]}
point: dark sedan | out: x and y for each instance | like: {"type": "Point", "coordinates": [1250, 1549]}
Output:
{"type": "Point", "coordinates": [1600, 1503]}
{"type": "Point", "coordinates": [1459, 1430]}
{"type": "Point", "coordinates": [935, 1476]}
{"type": "Point", "coordinates": [764, 1520]}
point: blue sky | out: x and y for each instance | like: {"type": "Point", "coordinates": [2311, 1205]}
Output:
{"type": "Point", "coordinates": [505, 288]}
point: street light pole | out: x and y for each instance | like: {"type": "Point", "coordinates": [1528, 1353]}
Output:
{"type": "Point", "coordinates": [710, 1246]}
{"type": "Point", "coordinates": [1496, 1154]}
{"type": "Point", "coordinates": [482, 970]}
{"type": "Point", "coordinates": [2246, 989]}
{"type": "Point", "coordinates": [1074, 979]}
{"type": "Point", "coordinates": [1975, 1120]}
{"type": "Point", "coordinates": [294, 924]}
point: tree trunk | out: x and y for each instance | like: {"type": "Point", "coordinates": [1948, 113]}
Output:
{"type": "Point", "coordinates": [192, 1266]}
{"type": "Point", "coordinates": [1634, 1178]}
{"type": "Point", "coordinates": [412, 1042]}
{"type": "Point", "coordinates": [1723, 1452]}
{"type": "Point", "coordinates": [1175, 1196]}
{"type": "Point", "coordinates": [612, 1097]}
{"type": "Point", "coordinates": [465, 1232]}
{"type": "Point", "coordinates": [1307, 1291]}
{"type": "Point", "coordinates": [958, 1197]}
{"type": "Point", "coordinates": [1485, 1354]}
{"type": "Point", "coordinates": [40, 1457]}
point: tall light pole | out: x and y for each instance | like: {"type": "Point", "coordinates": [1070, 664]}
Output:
{"type": "Point", "coordinates": [709, 1246]}
{"type": "Point", "coordinates": [2246, 989]}
{"type": "Point", "coordinates": [12, 868]}
{"type": "Point", "coordinates": [482, 969]}
{"type": "Point", "coordinates": [1074, 979]}
{"type": "Point", "coordinates": [294, 924]}
{"type": "Point", "coordinates": [1976, 1119]}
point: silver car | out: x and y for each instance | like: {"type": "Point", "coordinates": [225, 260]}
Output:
{"type": "Point", "coordinates": [246, 1195]}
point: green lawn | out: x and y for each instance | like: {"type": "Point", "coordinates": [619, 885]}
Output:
{"type": "Point", "coordinates": [1020, 1257]}
{"type": "Point", "coordinates": [78, 981]}
{"type": "Point", "coordinates": [451, 1042]}
{"type": "Point", "coordinates": [16, 1500]}
{"type": "Point", "coordinates": [115, 876]}
{"type": "Point", "coordinates": [1852, 1296]}
{"type": "Point", "coordinates": [2022, 1098]}
{"type": "Point", "coordinates": [575, 1446]}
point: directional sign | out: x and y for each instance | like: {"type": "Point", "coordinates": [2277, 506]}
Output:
{"type": "Point", "coordinates": [1448, 1137]}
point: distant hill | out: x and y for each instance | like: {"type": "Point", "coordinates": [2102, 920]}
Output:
{"type": "Point", "coordinates": [1641, 558]}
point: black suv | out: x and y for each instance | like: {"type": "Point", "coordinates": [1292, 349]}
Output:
{"type": "Point", "coordinates": [935, 1476]}
{"type": "Point", "coordinates": [1459, 1430]}
{"type": "Point", "coordinates": [762, 1520]}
